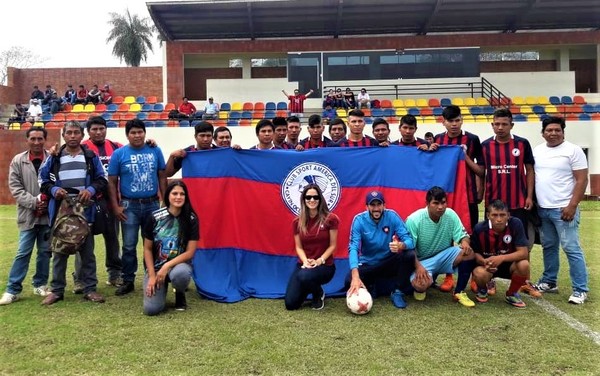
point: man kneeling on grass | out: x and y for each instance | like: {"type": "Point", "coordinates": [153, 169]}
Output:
{"type": "Point", "coordinates": [500, 247]}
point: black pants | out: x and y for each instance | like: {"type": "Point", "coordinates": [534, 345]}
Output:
{"type": "Point", "coordinates": [397, 266]}
{"type": "Point", "coordinates": [306, 281]}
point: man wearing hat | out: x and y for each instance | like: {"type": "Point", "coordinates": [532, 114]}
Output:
{"type": "Point", "coordinates": [385, 247]}
{"type": "Point", "coordinates": [211, 110]}
{"type": "Point", "coordinates": [34, 112]}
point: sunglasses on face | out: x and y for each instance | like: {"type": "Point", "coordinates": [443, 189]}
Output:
{"type": "Point", "coordinates": [309, 197]}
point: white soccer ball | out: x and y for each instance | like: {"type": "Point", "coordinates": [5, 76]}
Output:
{"type": "Point", "coordinates": [359, 303]}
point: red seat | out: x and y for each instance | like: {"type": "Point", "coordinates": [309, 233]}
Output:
{"type": "Point", "coordinates": [386, 103]}
{"type": "Point", "coordinates": [434, 102]}
{"type": "Point", "coordinates": [578, 99]}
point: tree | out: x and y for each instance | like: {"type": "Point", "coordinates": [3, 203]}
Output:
{"type": "Point", "coordinates": [132, 38]}
{"type": "Point", "coordinates": [17, 57]}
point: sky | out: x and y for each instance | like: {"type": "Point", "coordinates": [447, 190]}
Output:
{"type": "Point", "coordinates": [66, 33]}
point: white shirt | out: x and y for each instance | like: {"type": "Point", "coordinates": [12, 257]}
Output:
{"type": "Point", "coordinates": [211, 108]}
{"type": "Point", "coordinates": [554, 166]}
{"type": "Point", "coordinates": [35, 110]}
{"type": "Point", "coordinates": [362, 96]}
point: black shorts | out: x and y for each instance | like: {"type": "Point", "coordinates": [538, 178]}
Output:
{"type": "Point", "coordinates": [503, 271]}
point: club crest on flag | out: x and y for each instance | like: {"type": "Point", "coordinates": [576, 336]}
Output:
{"type": "Point", "coordinates": [310, 173]}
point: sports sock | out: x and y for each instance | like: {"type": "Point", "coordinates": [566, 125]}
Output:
{"type": "Point", "coordinates": [465, 269]}
{"type": "Point", "coordinates": [516, 281]}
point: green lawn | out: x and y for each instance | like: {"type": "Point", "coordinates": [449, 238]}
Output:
{"type": "Point", "coordinates": [259, 337]}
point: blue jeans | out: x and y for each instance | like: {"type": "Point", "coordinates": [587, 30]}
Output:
{"type": "Point", "coordinates": [306, 281]}
{"type": "Point", "coordinates": [18, 272]}
{"type": "Point", "coordinates": [138, 214]}
{"type": "Point", "coordinates": [555, 232]}
{"type": "Point", "coordinates": [179, 276]}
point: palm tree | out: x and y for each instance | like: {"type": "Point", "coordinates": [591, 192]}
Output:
{"type": "Point", "coordinates": [131, 36]}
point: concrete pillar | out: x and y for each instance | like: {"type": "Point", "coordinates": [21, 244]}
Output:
{"type": "Point", "coordinates": [563, 59]}
{"type": "Point", "coordinates": [246, 68]}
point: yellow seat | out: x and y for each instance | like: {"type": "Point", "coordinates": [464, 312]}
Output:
{"type": "Point", "coordinates": [468, 119]}
{"type": "Point", "coordinates": [481, 101]}
{"type": "Point", "coordinates": [518, 101]}
{"type": "Point", "coordinates": [429, 120]}
{"type": "Point", "coordinates": [397, 103]}
{"type": "Point", "coordinates": [135, 107]}
{"type": "Point", "coordinates": [470, 102]}
{"type": "Point", "coordinates": [401, 111]}
{"type": "Point", "coordinates": [481, 119]}
{"type": "Point", "coordinates": [550, 109]}
{"type": "Point", "coordinates": [14, 126]}
{"type": "Point", "coordinates": [340, 112]}
{"type": "Point", "coordinates": [254, 122]}
{"type": "Point", "coordinates": [77, 108]}
{"type": "Point", "coordinates": [533, 118]}
{"type": "Point", "coordinates": [543, 100]}
{"type": "Point", "coordinates": [421, 102]}
{"type": "Point", "coordinates": [237, 106]}
{"type": "Point", "coordinates": [458, 102]}
{"type": "Point", "coordinates": [223, 115]}
{"type": "Point", "coordinates": [531, 101]}
{"type": "Point", "coordinates": [90, 107]}
{"type": "Point", "coordinates": [525, 110]}
{"type": "Point", "coordinates": [464, 110]}
{"type": "Point", "coordinates": [129, 99]}
{"type": "Point", "coordinates": [410, 103]}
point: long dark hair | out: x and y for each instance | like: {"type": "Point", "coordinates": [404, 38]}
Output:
{"type": "Point", "coordinates": [187, 212]}
{"type": "Point", "coordinates": [304, 216]}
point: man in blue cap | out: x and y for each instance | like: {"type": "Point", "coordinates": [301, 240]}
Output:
{"type": "Point", "coordinates": [380, 248]}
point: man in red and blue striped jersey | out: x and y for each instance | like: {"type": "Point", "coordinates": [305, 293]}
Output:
{"type": "Point", "coordinates": [356, 138]}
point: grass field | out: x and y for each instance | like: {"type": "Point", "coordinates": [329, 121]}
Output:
{"type": "Point", "coordinates": [259, 337]}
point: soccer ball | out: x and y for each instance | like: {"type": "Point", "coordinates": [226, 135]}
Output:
{"type": "Point", "coordinates": [359, 303]}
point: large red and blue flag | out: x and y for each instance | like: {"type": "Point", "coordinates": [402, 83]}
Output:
{"type": "Point", "coordinates": [247, 200]}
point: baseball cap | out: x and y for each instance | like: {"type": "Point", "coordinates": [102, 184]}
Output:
{"type": "Point", "coordinates": [373, 196]}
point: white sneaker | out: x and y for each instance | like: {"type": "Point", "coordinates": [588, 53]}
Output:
{"type": "Point", "coordinates": [8, 298]}
{"type": "Point", "coordinates": [578, 297]}
{"type": "Point", "coordinates": [41, 290]}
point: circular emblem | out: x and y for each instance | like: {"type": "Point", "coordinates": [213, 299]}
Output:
{"type": "Point", "coordinates": [310, 173]}
{"type": "Point", "coordinates": [516, 152]}
{"type": "Point", "coordinates": [386, 229]}
{"type": "Point", "coordinates": [507, 239]}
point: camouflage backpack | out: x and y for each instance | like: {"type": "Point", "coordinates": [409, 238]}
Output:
{"type": "Point", "coordinates": [70, 228]}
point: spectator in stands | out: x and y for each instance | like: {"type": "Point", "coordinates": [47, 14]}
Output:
{"type": "Point", "coordinates": [337, 130]}
{"type": "Point", "coordinates": [48, 95]}
{"type": "Point", "coordinates": [81, 95]}
{"type": "Point", "coordinates": [55, 103]}
{"type": "Point", "coordinates": [203, 133]}
{"type": "Point", "coordinates": [339, 99]}
{"type": "Point", "coordinates": [94, 96]}
{"type": "Point", "coordinates": [69, 96]}
{"type": "Point", "coordinates": [356, 120]}
{"type": "Point", "coordinates": [19, 113]}
{"type": "Point", "coordinates": [429, 137]}
{"type": "Point", "coordinates": [315, 138]}
{"type": "Point", "coordinates": [36, 94]}
{"type": "Point", "coordinates": [296, 106]}
{"type": "Point", "coordinates": [381, 131]}
{"type": "Point", "coordinates": [293, 130]}
{"type": "Point", "coordinates": [34, 112]}
{"type": "Point", "coordinates": [264, 132]}
{"type": "Point", "coordinates": [329, 113]}
{"type": "Point", "coordinates": [186, 108]}
{"type": "Point", "coordinates": [211, 110]}
{"type": "Point", "coordinates": [107, 95]}
{"type": "Point", "coordinates": [349, 98]}
{"type": "Point", "coordinates": [363, 99]}
{"type": "Point", "coordinates": [408, 128]}
{"type": "Point", "coordinates": [329, 99]}
{"type": "Point", "coordinates": [280, 133]}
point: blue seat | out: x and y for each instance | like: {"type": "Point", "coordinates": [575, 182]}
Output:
{"type": "Point", "coordinates": [141, 99]}
{"type": "Point", "coordinates": [149, 123]}
{"type": "Point", "coordinates": [198, 114]}
{"type": "Point", "coordinates": [539, 110]}
{"type": "Point", "coordinates": [389, 112]}
{"type": "Point", "coordinates": [270, 114]}
{"type": "Point", "coordinates": [225, 106]}
{"type": "Point", "coordinates": [554, 100]}
{"type": "Point", "coordinates": [585, 117]}
{"type": "Point", "coordinates": [184, 123]}
{"type": "Point", "coordinates": [377, 112]}
{"type": "Point", "coordinates": [488, 110]}
{"type": "Point", "coordinates": [437, 111]}
{"type": "Point", "coordinates": [589, 108]}
{"type": "Point", "coordinates": [519, 118]}
{"type": "Point", "coordinates": [565, 99]}
{"type": "Point", "coordinates": [112, 108]}
{"type": "Point", "coordinates": [282, 106]}
{"type": "Point", "coordinates": [158, 107]}
{"type": "Point", "coordinates": [475, 110]}
{"type": "Point", "coordinates": [247, 115]}
{"type": "Point", "coordinates": [270, 106]}
{"type": "Point", "coordinates": [544, 117]}
{"type": "Point", "coordinates": [414, 111]}
{"type": "Point", "coordinates": [235, 115]}
{"type": "Point", "coordinates": [147, 107]}
{"type": "Point", "coordinates": [112, 124]}
{"type": "Point", "coordinates": [142, 115]}
{"type": "Point", "coordinates": [160, 123]}
{"type": "Point", "coordinates": [233, 123]}
{"type": "Point", "coordinates": [368, 120]}
{"type": "Point", "coordinates": [445, 102]}
{"type": "Point", "coordinates": [106, 116]}
{"type": "Point", "coordinates": [195, 122]}
{"type": "Point", "coordinates": [46, 117]}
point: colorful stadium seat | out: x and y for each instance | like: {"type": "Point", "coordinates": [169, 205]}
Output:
{"type": "Point", "coordinates": [149, 124]}
{"type": "Point", "coordinates": [538, 109]}
{"type": "Point", "coordinates": [245, 122]}
{"type": "Point", "coordinates": [223, 115]}
{"type": "Point", "coordinates": [184, 123]}
{"type": "Point", "coordinates": [481, 101]}
{"type": "Point", "coordinates": [226, 106]}
{"type": "Point", "coordinates": [397, 103]}
{"type": "Point", "coordinates": [533, 118]}
{"type": "Point", "coordinates": [135, 107]}
{"type": "Point", "coordinates": [554, 100]}
{"type": "Point", "coordinates": [160, 123]}
{"type": "Point", "coordinates": [112, 108]}
{"type": "Point", "coordinates": [530, 100]}
{"type": "Point", "coordinates": [551, 109]}
{"type": "Point", "coordinates": [237, 106]}
{"type": "Point", "coordinates": [259, 106]}
{"type": "Point", "coordinates": [46, 117]}
{"type": "Point", "coordinates": [481, 119]}
{"type": "Point", "coordinates": [518, 101]}
{"type": "Point", "coordinates": [147, 107]}
{"type": "Point", "coordinates": [248, 106]}
{"type": "Point", "coordinates": [457, 101]}
{"type": "Point", "coordinates": [233, 123]}
{"type": "Point", "coordinates": [488, 110]}
{"type": "Point", "coordinates": [100, 107]}
{"type": "Point", "coordinates": [401, 111]}
{"type": "Point", "coordinates": [129, 99]}
{"type": "Point", "coordinates": [377, 112]}
{"type": "Point", "coordinates": [565, 99]}
{"type": "Point", "coordinates": [123, 107]}
{"type": "Point", "coordinates": [151, 100]}
{"type": "Point", "coordinates": [386, 103]}
{"type": "Point", "coordinates": [78, 108]}
{"type": "Point", "coordinates": [445, 102]}
{"type": "Point", "coordinates": [543, 100]}
{"type": "Point", "coordinates": [468, 118]}
{"type": "Point", "coordinates": [470, 101]}
{"type": "Point", "coordinates": [475, 110]}
{"type": "Point", "coordinates": [414, 111]}
{"type": "Point", "coordinates": [118, 99]}
{"type": "Point", "coordinates": [433, 102]}
{"type": "Point", "coordinates": [106, 116]}
{"type": "Point", "coordinates": [281, 106]}
{"type": "Point", "coordinates": [142, 115]}
{"type": "Point", "coordinates": [410, 102]}
{"type": "Point", "coordinates": [158, 107]}
{"type": "Point", "coordinates": [578, 99]}
{"type": "Point", "coordinates": [247, 115]}
{"type": "Point", "coordinates": [58, 117]}
{"type": "Point", "coordinates": [427, 111]}
{"type": "Point", "coordinates": [112, 124]}
{"type": "Point", "coordinates": [140, 99]}
{"type": "Point", "coordinates": [585, 117]}
{"type": "Point", "coordinates": [526, 110]}
{"type": "Point", "coordinates": [437, 111]}
{"type": "Point", "coordinates": [270, 106]}
{"type": "Point", "coordinates": [422, 102]}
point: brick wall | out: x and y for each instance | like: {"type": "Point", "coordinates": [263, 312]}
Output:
{"type": "Point", "coordinates": [124, 81]}
{"type": "Point", "coordinates": [12, 143]}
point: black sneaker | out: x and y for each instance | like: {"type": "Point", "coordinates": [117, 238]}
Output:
{"type": "Point", "coordinates": [125, 288]}
{"type": "Point", "coordinates": [180, 302]}
{"type": "Point", "coordinates": [318, 301]}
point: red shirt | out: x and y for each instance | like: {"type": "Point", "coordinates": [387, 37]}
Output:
{"type": "Point", "coordinates": [316, 240]}
{"type": "Point", "coordinates": [297, 103]}
{"type": "Point", "coordinates": [187, 108]}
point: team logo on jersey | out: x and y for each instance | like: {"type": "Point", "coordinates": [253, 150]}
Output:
{"type": "Point", "coordinates": [386, 229]}
{"type": "Point", "coordinates": [310, 173]}
{"type": "Point", "coordinates": [507, 239]}
{"type": "Point", "coordinates": [464, 147]}
{"type": "Point", "coordinates": [516, 152]}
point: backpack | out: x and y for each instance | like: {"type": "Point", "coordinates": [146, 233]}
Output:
{"type": "Point", "coordinates": [70, 227]}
